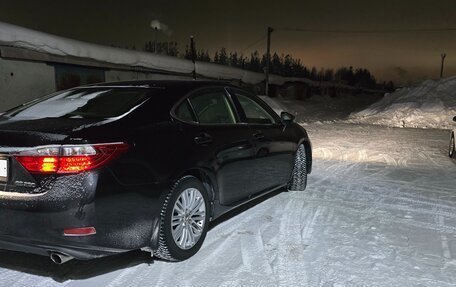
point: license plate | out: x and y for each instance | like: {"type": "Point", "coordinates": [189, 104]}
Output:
{"type": "Point", "coordinates": [3, 169]}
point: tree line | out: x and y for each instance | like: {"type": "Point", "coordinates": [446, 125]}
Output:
{"type": "Point", "coordinates": [281, 64]}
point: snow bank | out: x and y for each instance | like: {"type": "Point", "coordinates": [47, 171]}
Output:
{"type": "Point", "coordinates": [16, 36]}
{"type": "Point", "coordinates": [432, 104]}
{"type": "Point", "coordinates": [322, 109]}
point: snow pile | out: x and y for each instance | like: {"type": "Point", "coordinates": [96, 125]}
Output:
{"type": "Point", "coordinates": [432, 104]}
{"type": "Point", "coordinates": [322, 109]}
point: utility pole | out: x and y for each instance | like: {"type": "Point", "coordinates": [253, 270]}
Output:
{"type": "Point", "coordinates": [268, 60]}
{"type": "Point", "coordinates": [155, 41]}
{"type": "Point", "coordinates": [193, 55]}
{"type": "Point", "coordinates": [443, 56]}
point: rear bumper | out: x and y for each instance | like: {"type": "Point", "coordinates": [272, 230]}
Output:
{"type": "Point", "coordinates": [79, 252]}
{"type": "Point", "coordinates": [124, 219]}
{"type": "Point", "coordinates": [41, 232]}
{"type": "Point", "coordinates": [118, 229]}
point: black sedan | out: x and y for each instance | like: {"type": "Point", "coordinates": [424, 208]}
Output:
{"type": "Point", "coordinates": [108, 168]}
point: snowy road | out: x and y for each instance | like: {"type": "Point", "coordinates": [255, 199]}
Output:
{"type": "Point", "coordinates": [380, 210]}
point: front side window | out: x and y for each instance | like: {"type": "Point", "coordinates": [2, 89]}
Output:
{"type": "Point", "coordinates": [255, 114]}
{"type": "Point", "coordinates": [213, 108]}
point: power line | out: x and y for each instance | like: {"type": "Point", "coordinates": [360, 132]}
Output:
{"type": "Point", "coordinates": [373, 31]}
{"type": "Point", "coordinates": [254, 43]}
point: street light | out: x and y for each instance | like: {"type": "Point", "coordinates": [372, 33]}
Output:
{"type": "Point", "coordinates": [268, 60]}
{"type": "Point", "coordinates": [156, 25]}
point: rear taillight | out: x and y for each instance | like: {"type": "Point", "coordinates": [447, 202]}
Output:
{"type": "Point", "coordinates": [69, 158]}
{"type": "Point", "coordinates": [81, 231]}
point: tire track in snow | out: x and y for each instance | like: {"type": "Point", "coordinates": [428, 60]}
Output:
{"type": "Point", "coordinates": [220, 241]}
{"type": "Point", "coordinates": [306, 232]}
{"type": "Point", "coordinates": [381, 215]}
{"type": "Point", "coordinates": [444, 239]}
{"type": "Point", "coordinates": [402, 204]}
{"type": "Point", "coordinates": [291, 248]}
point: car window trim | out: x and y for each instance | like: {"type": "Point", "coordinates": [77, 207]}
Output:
{"type": "Point", "coordinates": [192, 110]}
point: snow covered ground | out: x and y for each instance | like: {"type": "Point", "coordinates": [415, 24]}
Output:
{"type": "Point", "coordinates": [431, 104]}
{"type": "Point", "coordinates": [380, 210]}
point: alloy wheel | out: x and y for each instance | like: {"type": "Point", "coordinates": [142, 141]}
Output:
{"type": "Point", "coordinates": [188, 218]}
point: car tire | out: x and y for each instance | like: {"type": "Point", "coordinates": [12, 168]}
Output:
{"type": "Point", "coordinates": [452, 149]}
{"type": "Point", "coordinates": [188, 226]}
{"type": "Point", "coordinates": [299, 177]}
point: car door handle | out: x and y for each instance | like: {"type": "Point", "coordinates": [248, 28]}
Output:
{"type": "Point", "coordinates": [203, 138]}
{"type": "Point", "coordinates": [258, 135]}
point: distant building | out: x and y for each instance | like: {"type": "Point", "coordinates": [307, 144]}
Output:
{"type": "Point", "coordinates": [33, 64]}
{"type": "Point", "coordinates": [26, 74]}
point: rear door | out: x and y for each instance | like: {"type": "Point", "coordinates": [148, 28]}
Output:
{"type": "Point", "coordinates": [219, 142]}
{"type": "Point", "coordinates": [274, 142]}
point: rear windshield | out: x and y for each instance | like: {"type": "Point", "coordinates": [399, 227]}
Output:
{"type": "Point", "coordinates": [83, 103]}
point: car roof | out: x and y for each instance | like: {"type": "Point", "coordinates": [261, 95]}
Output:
{"type": "Point", "coordinates": [172, 84]}
{"type": "Point", "coordinates": [172, 90]}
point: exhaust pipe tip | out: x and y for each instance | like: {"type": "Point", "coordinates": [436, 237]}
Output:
{"type": "Point", "coordinates": [59, 258]}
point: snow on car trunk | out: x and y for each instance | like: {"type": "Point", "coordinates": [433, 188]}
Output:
{"type": "Point", "coordinates": [431, 104]}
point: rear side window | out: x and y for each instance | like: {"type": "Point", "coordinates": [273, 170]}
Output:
{"type": "Point", "coordinates": [83, 103]}
{"type": "Point", "coordinates": [184, 112]}
{"type": "Point", "coordinates": [213, 108]}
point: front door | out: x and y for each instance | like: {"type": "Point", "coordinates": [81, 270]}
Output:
{"type": "Point", "coordinates": [274, 144]}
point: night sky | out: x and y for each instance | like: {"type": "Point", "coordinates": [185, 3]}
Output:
{"type": "Point", "coordinates": [403, 57]}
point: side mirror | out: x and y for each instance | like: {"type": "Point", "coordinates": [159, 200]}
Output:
{"type": "Point", "coordinates": [287, 118]}
{"type": "Point", "coordinates": [454, 119]}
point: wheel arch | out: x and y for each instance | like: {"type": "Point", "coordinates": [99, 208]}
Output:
{"type": "Point", "coordinates": [208, 180]}
{"type": "Point", "coordinates": [203, 175]}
